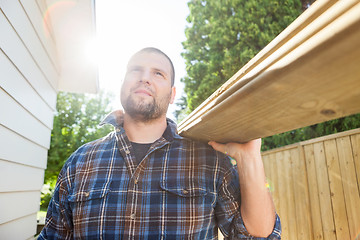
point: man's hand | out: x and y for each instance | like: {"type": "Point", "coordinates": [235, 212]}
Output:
{"type": "Point", "coordinates": [248, 151]}
{"type": "Point", "coordinates": [257, 208]}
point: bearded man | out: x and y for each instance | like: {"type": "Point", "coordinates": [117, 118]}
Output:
{"type": "Point", "coordinates": [144, 181]}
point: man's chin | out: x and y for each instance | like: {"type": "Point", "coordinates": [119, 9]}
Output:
{"type": "Point", "coordinates": [142, 101]}
{"type": "Point", "coordinates": [142, 116]}
{"type": "Point", "coordinates": [142, 112]}
{"type": "Point", "coordinates": [143, 109]}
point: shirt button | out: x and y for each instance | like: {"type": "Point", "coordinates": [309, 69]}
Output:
{"type": "Point", "coordinates": [132, 216]}
{"type": "Point", "coordinates": [127, 151]}
{"type": "Point", "coordinates": [136, 181]}
{"type": "Point", "coordinates": [184, 191]}
{"type": "Point", "coordinates": [86, 194]}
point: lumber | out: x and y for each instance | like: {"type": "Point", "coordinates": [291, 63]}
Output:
{"type": "Point", "coordinates": [337, 191]}
{"type": "Point", "coordinates": [313, 192]}
{"type": "Point", "coordinates": [308, 74]}
{"type": "Point", "coordinates": [351, 193]}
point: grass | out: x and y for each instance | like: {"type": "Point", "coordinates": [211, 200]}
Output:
{"type": "Point", "coordinates": [41, 215]}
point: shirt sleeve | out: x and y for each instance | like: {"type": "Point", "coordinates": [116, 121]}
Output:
{"type": "Point", "coordinates": [58, 223]}
{"type": "Point", "coordinates": [227, 210]}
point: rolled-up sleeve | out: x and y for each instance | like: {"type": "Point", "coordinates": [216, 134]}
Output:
{"type": "Point", "coordinates": [227, 210]}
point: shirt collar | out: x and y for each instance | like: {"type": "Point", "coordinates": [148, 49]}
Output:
{"type": "Point", "coordinates": [116, 119]}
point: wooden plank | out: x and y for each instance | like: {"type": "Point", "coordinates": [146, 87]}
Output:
{"type": "Point", "coordinates": [14, 48]}
{"type": "Point", "coordinates": [355, 142]}
{"type": "Point", "coordinates": [289, 194]}
{"type": "Point", "coordinates": [25, 203]}
{"type": "Point", "coordinates": [252, 67]}
{"type": "Point", "coordinates": [19, 177]}
{"type": "Point", "coordinates": [337, 193]}
{"type": "Point", "coordinates": [298, 87]}
{"type": "Point", "coordinates": [351, 191]}
{"type": "Point", "coordinates": [22, 228]}
{"type": "Point", "coordinates": [282, 192]}
{"type": "Point", "coordinates": [25, 30]}
{"type": "Point", "coordinates": [37, 18]}
{"type": "Point", "coordinates": [23, 122]}
{"type": "Point", "coordinates": [27, 97]}
{"type": "Point", "coordinates": [324, 192]}
{"type": "Point", "coordinates": [313, 192]}
{"type": "Point", "coordinates": [301, 194]}
{"type": "Point", "coordinates": [31, 154]}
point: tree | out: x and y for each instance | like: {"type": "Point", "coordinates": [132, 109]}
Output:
{"type": "Point", "coordinates": [75, 123]}
{"type": "Point", "coordinates": [224, 35]}
{"type": "Point", "coordinates": [313, 131]}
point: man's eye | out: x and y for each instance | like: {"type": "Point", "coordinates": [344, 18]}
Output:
{"type": "Point", "coordinates": [159, 74]}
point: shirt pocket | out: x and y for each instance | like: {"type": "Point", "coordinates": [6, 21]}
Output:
{"type": "Point", "coordinates": [85, 206]}
{"type": "Point", "coordinates": [193, 189]}
{"type": "Point", "coordinates": [189, 208]}
{"type": "Point", "coordinates": [88, 194]}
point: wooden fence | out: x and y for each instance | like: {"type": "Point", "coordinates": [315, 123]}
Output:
{"type": "Point", "coordinates": [315, 185]}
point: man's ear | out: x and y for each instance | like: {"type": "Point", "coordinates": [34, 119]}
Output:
{"type": "Point", "coordinates": [173, 93]}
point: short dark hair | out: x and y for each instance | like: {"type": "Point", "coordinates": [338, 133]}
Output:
{"type": "Point", "coordinates": [156, 50]}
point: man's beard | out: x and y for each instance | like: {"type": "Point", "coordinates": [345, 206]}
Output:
{"type": "Point", "coordinates": [146, 111]}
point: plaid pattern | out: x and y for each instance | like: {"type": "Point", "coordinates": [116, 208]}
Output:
{"type": "Point", "coordinates": [182, 189]}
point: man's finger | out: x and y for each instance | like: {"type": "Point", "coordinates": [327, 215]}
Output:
{"type": "Point", "coordinates": [218, 146]}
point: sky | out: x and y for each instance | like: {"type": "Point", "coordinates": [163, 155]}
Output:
{"type": "Point", "coordinates": [124, 27]}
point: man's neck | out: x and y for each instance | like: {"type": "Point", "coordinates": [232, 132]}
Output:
{"type": "Point", "coordinates": [144, 132]}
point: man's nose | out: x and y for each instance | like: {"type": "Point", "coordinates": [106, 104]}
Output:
{"type": "Point", "coordinates": [146, 77]}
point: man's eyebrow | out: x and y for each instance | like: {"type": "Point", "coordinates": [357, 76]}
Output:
{"type": "Point", "coordinates": [160, 70]}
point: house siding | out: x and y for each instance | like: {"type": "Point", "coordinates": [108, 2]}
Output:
{"type": "Point", "coordinates": [29, 78]}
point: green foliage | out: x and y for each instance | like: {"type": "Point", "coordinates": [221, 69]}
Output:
{"type": "Point", "coordinates": [314, 131]}
{"type": "Point", "coordinates": [223, 35]}
{"type": "Point", "coordinates": [46, 195]}
{"type": "Point", "coordinates": [75, 123]}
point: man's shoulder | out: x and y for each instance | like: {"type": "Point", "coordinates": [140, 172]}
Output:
{"type": "Point", "coordinates": [102, 144]}
{"type": "Point", "coordinates": [202, 156]}
{"type": "Point", "coordinates": [195, 144]}
{"type": "Point", "coordinates": [200, 148]}
{"type": "Point", "coordinates": [98, 143]}
{"type": "Point", "coordinates": [93, 151]}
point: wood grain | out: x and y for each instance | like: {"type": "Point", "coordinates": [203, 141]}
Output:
{"type": "Point", "coordinates": [337, 192]}
{"type": "Point", "coordinates": [313, 192]}
{"type": "Point", "coordinates": [351, 192]}
{"type": "Point", "coordinates": [312, 77]}
{"type": "Point", "coordinates": [315, 186]}
{"type": "Point", "coordinates": [324, 192]}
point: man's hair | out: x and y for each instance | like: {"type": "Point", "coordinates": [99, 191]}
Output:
{"type": "Point", "coordinates": [155, 50]}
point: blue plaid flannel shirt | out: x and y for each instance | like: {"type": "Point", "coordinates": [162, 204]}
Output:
{"type": "Point", "coordinates": [182, 189]}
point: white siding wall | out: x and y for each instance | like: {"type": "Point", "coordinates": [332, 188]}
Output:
{"type": "Point", "coordinates": [29, 76]}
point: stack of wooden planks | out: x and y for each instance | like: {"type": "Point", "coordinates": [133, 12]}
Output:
{"type": "Point", "coordinates": [308, 74]}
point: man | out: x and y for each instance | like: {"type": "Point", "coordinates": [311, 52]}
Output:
{"type": "Point", "coordinates": [144, 181]}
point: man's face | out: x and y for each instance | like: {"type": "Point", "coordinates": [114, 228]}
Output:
{"type": "Point", "coordinates": [146, 91]}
